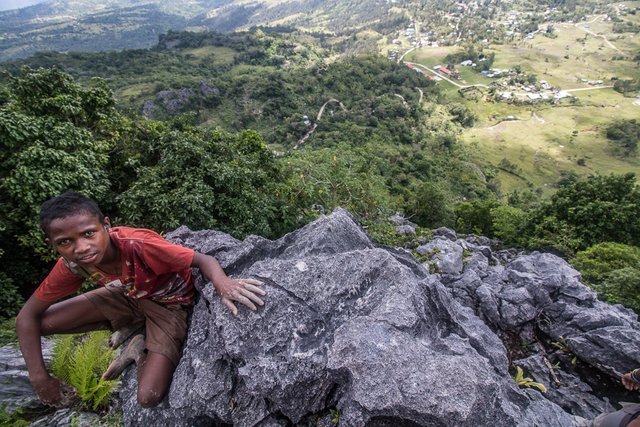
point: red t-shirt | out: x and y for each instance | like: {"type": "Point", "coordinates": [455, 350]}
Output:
{"type": "Point", "coordinates": [151, 267]}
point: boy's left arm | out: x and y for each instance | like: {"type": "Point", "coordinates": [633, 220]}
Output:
{"type": "Point", "coordinates": [244, 291]}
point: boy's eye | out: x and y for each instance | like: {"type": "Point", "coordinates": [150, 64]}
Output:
{"type": "Point", "coordinates": [89, 233]}
{"type": "Point", "coordinates": [64, 242]}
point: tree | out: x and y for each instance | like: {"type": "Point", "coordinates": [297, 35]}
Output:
{"type": "Point", "coordinates": [507, 223]}
{"type": "Point", "coordinates": [53, 137]}
{"type": "Point", "coordinates": [343, 176]}
{"type": "Point", "coordinates": [624, 135]}
{"type": "Point", "coordinates": [475, 217]}
{"type": "Point", "coordinates": [205, 179]}
{"type": "Point", "coordinates": [596, 262]}
{"type": "Point", "coordinates": [584, 213]}
{"type": "Point", "coordinates": [613, 271]}
{"type": "Point", "coordinates": [625, 86]}
{"type": "Point", "coordinates": [623, 287]}
{"type": "Point", "coordinates": [433, 206]}
{"type": "Point", "coordinates": [462, 114]}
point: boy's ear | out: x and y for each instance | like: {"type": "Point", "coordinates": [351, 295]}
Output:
{"type": "Point", "coordinates": [106, 223]}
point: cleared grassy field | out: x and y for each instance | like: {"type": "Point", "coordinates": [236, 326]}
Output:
{"type": "Point", "coordinates": [216, 54]}
{"type": "Point", "coordinates": [542, 141]}
{"type": "Point", "coordinates": [131, 92]}
{"type": "Point", "coordinates": [573, 55]}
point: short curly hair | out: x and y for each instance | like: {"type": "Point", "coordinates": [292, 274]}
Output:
{"type": "Point", "coordinates": [65, 205]}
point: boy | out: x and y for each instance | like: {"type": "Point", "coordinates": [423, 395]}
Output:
{"type": "Point", "coordinates": [145, 280]}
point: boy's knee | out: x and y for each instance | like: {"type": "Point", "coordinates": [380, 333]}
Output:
{"type": "Point", "coordinates": [148, 398]}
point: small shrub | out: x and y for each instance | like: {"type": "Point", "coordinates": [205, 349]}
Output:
{"type": "Point", "coordinates": [384, 233]}
{"type": "Point", "coordinates": [622, 287]}
{"type": "Point", "coordinates": [613, 271]}
{"type": "Point", "coordinates": [335, 416]}
{"type": "Point", "coordinates": [12, 419]}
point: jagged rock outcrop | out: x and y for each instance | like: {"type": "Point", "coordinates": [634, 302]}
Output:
{"type": "Point", "coordinates": [535, 297]}
{"type": "Point", "coordinates": [369, 332]}
{"type": "Point", "coordinates": [369, 335]}
{"type": "Point", "coordinates": [16, 393]}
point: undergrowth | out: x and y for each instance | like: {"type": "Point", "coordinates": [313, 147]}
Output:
{"type": "Point", "coordinates": [8, 332]}
{"type": "Point", "coordinates": [14, 419]}
{"type": "Point", "coordinates": [384, 233]}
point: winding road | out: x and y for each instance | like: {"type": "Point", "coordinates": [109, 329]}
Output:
{"type": "Point", "coordinates": [318, 117]}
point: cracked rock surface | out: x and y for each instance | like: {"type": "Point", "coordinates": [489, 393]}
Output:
{"type": "Point", "coordinates": [366, 332]}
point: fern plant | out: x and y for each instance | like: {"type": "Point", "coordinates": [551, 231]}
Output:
{"type": "Point", "coordinates": [80, 360]}
{"type": "Point", "coordinates": [523, 381]}
{"type": "Point", "coordinates": [335, 416]}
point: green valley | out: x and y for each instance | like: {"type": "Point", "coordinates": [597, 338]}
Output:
{"type": "Point", "coordinates": [517, 121]}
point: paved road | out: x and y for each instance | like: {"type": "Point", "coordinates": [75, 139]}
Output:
{"type": "Point", "coordinates": [486, 86]}
{"type": "Point", "coordinates": [435, 73]}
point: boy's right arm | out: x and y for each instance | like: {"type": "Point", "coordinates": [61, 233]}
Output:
{"type": "Point", "coordinates": [49, 389]}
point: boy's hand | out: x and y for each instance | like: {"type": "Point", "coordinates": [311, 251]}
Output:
{"type": "Point", "coordinates": [629, 383]}
{"type": "Point", "coordinates": [244, 291]}
{"type": "Point", "coordinates": [54, 392]}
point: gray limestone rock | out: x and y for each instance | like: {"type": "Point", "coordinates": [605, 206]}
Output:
{"type": "Point", "coordinates": [405, 229]}
{"type": "Point", "coordinates": [399, 219]}
{"type": "Point", "coordinates": [445, 232]}
{"type": "Point", "coordinates": [447, 255]}
{"type": "Point", "coordinates": [563, 388]}
{"type": "Point", "coordinates": [366, 336]}
{"type": "Point", "coordinates": [16, 391]}
{"type": "Point", "coordinates": [347, 326]}
{"type": "Point", "coordinates": [540, 297]}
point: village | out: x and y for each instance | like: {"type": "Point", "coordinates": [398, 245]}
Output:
{"type": "Point", "coordinates": [462, 26]}
{"type": "Point", "coordinates": [510, 85]}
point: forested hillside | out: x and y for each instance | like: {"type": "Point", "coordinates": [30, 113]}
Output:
{"type": "Point", "coordinates": [259, 132]}
{"type": "Point", "coordinates": [92, 25]}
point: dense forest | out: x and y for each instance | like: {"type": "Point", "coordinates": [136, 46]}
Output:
{"type": "Point", "coordinates": [225, 132]}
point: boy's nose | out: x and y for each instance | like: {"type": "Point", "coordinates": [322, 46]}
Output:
{"type": "Point", "coordinates": [82, 246]}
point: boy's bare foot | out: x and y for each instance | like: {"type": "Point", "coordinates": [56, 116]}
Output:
{"type": "Point", "coordinates": [129, 354]}
{"type": "Point", "coordinates": [120, 336]}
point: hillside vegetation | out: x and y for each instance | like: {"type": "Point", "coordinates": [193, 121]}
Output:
{"type": "Point", "coordinates": [262, 130]}
{"type": "Point", "coordinates": [387, 141]}
{"type": "Point", "coordinates": [92, 25]}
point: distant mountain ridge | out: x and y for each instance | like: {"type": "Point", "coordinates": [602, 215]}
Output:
{"type": "Point", "coordinates": [94, 25]}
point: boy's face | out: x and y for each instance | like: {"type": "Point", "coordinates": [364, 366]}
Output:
{"type": "Point", "coordinates": [81, 238]}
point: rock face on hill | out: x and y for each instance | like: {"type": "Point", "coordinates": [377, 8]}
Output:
{"type": "Point", "coordinates": [362, 335]}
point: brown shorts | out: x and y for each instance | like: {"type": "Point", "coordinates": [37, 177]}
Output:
{"type": "Point", "coordinates": [166, 325]}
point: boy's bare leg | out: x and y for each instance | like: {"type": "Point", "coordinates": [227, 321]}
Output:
{"type": "Point", "coordinates": [155, 373]}
{"type": "Point", "coordinates": [74, 315]}
{"type": "Point", "coordinates": [38, 318]}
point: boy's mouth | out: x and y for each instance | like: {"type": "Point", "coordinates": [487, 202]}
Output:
{"type": "Point", "coordinates": [87, 259]}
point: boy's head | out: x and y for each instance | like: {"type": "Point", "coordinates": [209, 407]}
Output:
{"type": "Point", "coordinates": [65, 205]}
